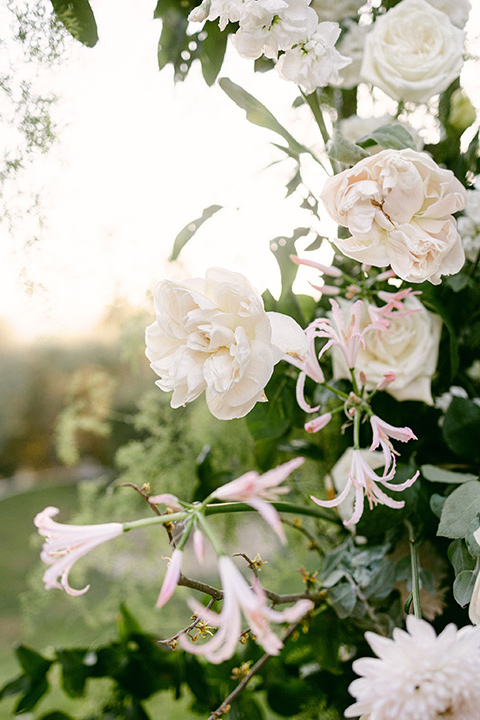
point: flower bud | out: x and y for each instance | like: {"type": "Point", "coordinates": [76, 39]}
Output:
{"type": "Point", "coordinates": [462, 113]}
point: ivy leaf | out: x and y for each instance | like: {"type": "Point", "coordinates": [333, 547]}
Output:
{"type": "Point", "coordinates": [78, 18]}
{"type": "Point", "coordinates": [190, 229]}
{"type": "Point", "coordinates": [257, 113]}
{"type": "Point", "coordinates": [436, 474]}
{"type": "Point", "coordinates": [460, 508]}
{"type": "Point", "coordinates": [395, 137]}
{"type": "Point", "coordinates": [463, 587]}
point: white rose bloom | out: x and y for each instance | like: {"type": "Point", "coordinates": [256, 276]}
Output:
{"type": "Point", "coordinates": [267, 26]}
{"type": "Point", "coordinates": [354, 128]}
{"type": "Point", "coordinates": [413, 52]}
{"type": "Point", "coordinates": [215, 335]}
{"type": "Point", "coordinates": [398, 206]}
{"type": "Point", "coordinates": [409, 348]}
{"type": "Point", "coordinates": [315, 62]}
{"type": "Point", "coordinates": [352, 45]}
{"type": "Point", "coordinates": [457, 10]}
{"type": "Point", "coordinates": [338, 10]}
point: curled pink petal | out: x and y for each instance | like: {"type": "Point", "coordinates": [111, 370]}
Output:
{"type": "Point", "coordinates": [171, 579]}
{"type": "Point", "coordinates": [318, 423]}
{"type": "Point", "coordinates": [167, 499]}
{"type": "Point", "coordinates": [199, 545]}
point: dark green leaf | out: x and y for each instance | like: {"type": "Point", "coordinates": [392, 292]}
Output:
{"type": "Point", "coordinates": [436, 474]}
{"type": "Point", "coordinates": [212, 51]}
{"type": "Point", "coordinates": [79, 20]}
{"type": "Point", "coordinates": [127, 624]}
{"type": "Point", "coordinates": [459, 282]}
{"type": "Point", "coordinates": [258, 113]}
{"type": "Point", "coordinates": [14, 687]}
{"type": "Point", "coordinates": [345, 151]}
{"type": "Point", "coordinates": [33, 664]}
{"type": "Point", "coordinates": [436, 504]}
{"type": "Point", "coordinates": [463, 587]}
{"type": "Point", "coordinates": [460, 557]}
{"type": "Point", "coordinates": [461, 428]}
{"type": "Point", "coordinates": [286, 698]}
{"type": "Point", "coordinates": [343, 598]}
{"type": "Point", "coordinates": [74, 671]}
{"type": "Point", "coordinates": [37, 689]}
{"type": "Point", "coordinates": [324, 637]}
{"type": "Point", "coordinates": [189, 230]}
{"type": "Point", "coordinates": [56, 716]}
{"type": "Point", "coordinates": [395, 137]}
{"type": "Point", "coordinates": [460, 508]}
{"type": "Point", "coordinates": [272, 419]}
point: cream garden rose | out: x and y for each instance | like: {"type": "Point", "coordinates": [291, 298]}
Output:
{"type": "Point", "coordinates": [398, 207]}
{"type": "Point", "coordinates": [214, 335]}
{"type": "Point", "coordinates": [413, 52]}
{"type": "Point", "coordinates": [409, 348]}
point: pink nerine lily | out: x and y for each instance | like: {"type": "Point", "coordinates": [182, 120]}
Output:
{"type": "Point", "coordinates": [65, 544]}
{"type": "Point", "coordinates": [239, 598]}
{"type": "Point", "coordinates": [366, 482]}
{"type": "Point", "coordinates": [256, 490]}
{"type": "Point", "coordinates": [383, 431]}
{"type": "Point", "coordinates": [171, 579]}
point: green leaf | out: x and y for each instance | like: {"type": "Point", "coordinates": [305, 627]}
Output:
{"type": "Point", "coordinates": [472, 544]}
{"type": "Point", "coordinates": [395, 137]}
{"type": "Point", "coordinates": [38, 688]}
{"type": "Point", "coordinates": [16, 686]}
{"type": "Point", "coordinates": [436, 474]}
{"type": "Point", "coordinates": [33, 664]}
{"type": "Point", "coordinates": [463, 587]}
{"type": "Point", "coordinates": [459, 557]}
{"type": "Point", "coordinates": [190, 229]}
{"type": "Point", "coordinates": [325, 639]}
{"type": "Point", "coordinates": [460, 508]}
{"type": "Point", "coordinates": [459, 281]}
{"type": "Point", "coordinates": [436, 504]}
{"type": "Point", "coordinates": [78, 18]}
{"type": "Point", "coordinates": [270, 420]}
{"type": "Point", "coordinates": [212, 51]}
{"type": "Point", "coordinates": [343, 598]}
{"type": "Point", "coordinates": [127, 624]}
{"type": "Point", "coordinates": [461, 428]}
{"type": "Point", "coordinates": [346, 152]}
{"type": "Point", "coordinates": [74, 671]}
{"type": "Point", "coordinates": [286, 698]}
{"type": "Point", "coordinates": [56, 715]}
{"type": "Point", "coordinates": [258, 113]}
{"type": "Point", "coordinates": [173, 37]}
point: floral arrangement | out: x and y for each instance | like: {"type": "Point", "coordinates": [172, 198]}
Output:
{"type": "Point", "coordinates": [384, 366]}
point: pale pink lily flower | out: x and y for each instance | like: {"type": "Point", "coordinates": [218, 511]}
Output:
{"type": "Point", "coordinates": [309, 366]}
{"type": "Point", "coordinates": [388, 378]}
{"type": "Point", "coordinates": [394, 305]}
{"type": "Point", "coordinates": [318, 423]}
{"type": "Point", "coordinates": [238, 599]}
{"type": "Point", "coordinates": [259, 491]}
{"type": "Point", "coordinates": [199, 545]}
{"type": "Point", "coordinates": [171, 579]}
{"type": "Point", "coordinates": [383, 431]}
{"type": "Point", "coordinates": [330, 270]}
{"type": "Point", "coordinates": [366, 484]}
{"type": "Point", "coordinates": [348, 338]}
{"type": "Point", "coordinates": [167, 499]}
{"type": "Point", "coordinates": [65, 544]}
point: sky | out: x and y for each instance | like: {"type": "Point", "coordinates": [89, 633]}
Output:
{"type": "Point", "coordinates": [138, 158]}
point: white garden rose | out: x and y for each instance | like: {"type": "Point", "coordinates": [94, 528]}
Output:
{"type": "Point", "coordinates": [413, 52]}
{"type": "Point", "coordinates": [457, 10]}
{"type": "Point", "coordinates": [409, 348]}
{"type": "Point", "coordinates": [213, 334]}
{"type": "Point", "coordinates": [398, 206]}
{"type": "Point", "coordinates": [338, 10]}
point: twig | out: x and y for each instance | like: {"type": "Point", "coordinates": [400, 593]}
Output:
{"type": "Point", "coordinates": [141, 492]}
{"type": "Point", "coordinates": [225, 706]}
{"type": "Point", "coordinates": [172, 639]}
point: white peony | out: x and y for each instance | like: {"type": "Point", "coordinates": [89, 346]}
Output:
{"type": "Point", "coordinates": [409, 348]}
{"type": "Point", "coordinates": [419, 675]}
{"type": "Point", "coordinates": [315, 62]}
{"type": "Point", "coordinates": [469, 225]}
{"type": "Point", "coordinates": [413, 52]}
{"type": "Point", "coordinates": [338, 10]}
{"type": "Point", "coordinates": [457, 10]}
{"type": "Point", "coordinates": [213, 334]}
{"type": "Point", "coordinates": [398, 206]}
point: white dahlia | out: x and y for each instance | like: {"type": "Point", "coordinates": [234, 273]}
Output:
{"type": "Point", "coordinates": [419, 676]}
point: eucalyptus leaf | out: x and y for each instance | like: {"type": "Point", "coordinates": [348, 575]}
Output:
{"type": "Point", "coordinates": [78, 18]}
{"type": "Point", "coordinates": [436, 474]}
{"type": "Point", "coordinates": [346, 152]}
{"type": "Point", "coordinates": [460, 508]}
{"type": "Point", "coordinates": [343, 598]}
{"type": "Point", "coordinates": [394, 137]}
{"type": "Point", "coordinates": [460, 557]}
{"type": "Point", "coordinates": [257, 113]}
{"type": "Point", "coordinates": [472, 544]}
{"type": "Point", "coordinates": [190, 229]}
{"type": "Point", "coordinates": [463, 587]}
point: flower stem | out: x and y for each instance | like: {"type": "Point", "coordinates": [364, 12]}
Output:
{"type": "Point", "coordinates": [415, 573]}
{"type": "Point", "coordinates": [158, 519]}
{"type": "Point", "coordinates": [319, 513]}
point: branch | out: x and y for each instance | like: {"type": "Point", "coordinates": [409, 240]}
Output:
{"type": "Point", "coordinates": [225, 706]}
{"type": "Point", "coordinates": [172, 640]}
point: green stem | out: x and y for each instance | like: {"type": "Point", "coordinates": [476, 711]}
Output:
{"type": "Point", "coordinates": [317, 512]}
{"type": "Point", "coordinates": [210, 534]}
{"type": "Point", "coordinates": [157, 520]}
{"type": "Point", "coordinates": [314, 105]}
{"type": "Point", "coordinates": [415, 572]}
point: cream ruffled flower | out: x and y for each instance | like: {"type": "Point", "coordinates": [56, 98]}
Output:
{"type": "Point", "coordinates": [419, 676]}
